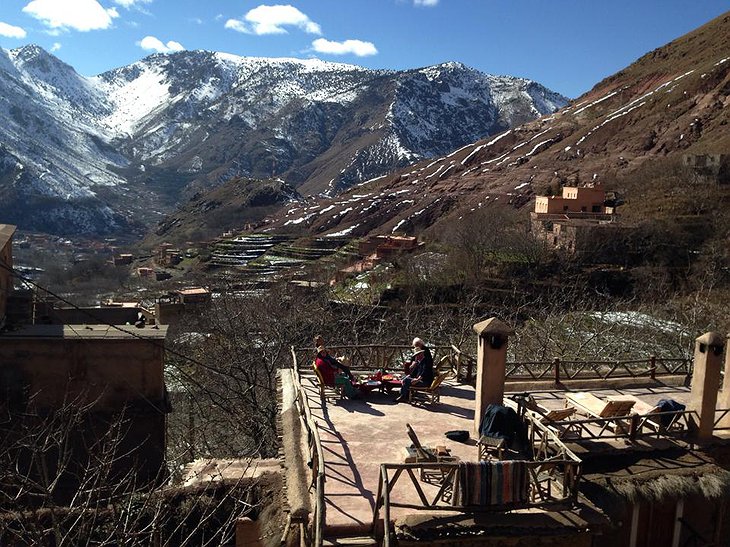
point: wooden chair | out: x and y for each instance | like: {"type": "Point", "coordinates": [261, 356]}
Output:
{"type": "Point", "coordinates": [419, 454]}
{"type": "Point", "coordinates": [431, 394]}
{"type": "Point", "coordinates": [545, 416]}
{"type": "Point", "coordinates": [646, 411]}
{"type": "Point", "coordinates": [490, 448]}
{"type": "Point", "coordinates": [324, 389]}
{"type": "Point", "coordinates": [556, 415]}
{"type": "Point", "coordinates": [543, 477]}
{"type": "Point", "coordinates": [445, 365]}
{"type": "Point", "coordinates": [618, 407]}
{"type": "Point", "coordinates": [590, 405]}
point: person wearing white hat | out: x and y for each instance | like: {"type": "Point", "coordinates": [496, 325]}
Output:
{"type": "Point", "coordinates": [420, 370]}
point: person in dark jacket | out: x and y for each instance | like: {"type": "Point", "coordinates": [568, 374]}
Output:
{"type": "Point", "coordinates": [418, 344]}
{"type": "Point", "coordinates": [421, 372]}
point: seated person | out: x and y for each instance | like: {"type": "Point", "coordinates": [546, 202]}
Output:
{"type": "Point", "coordinates": [318, 341]}
{"type": "Point", "coordinates": [418, 344]}
{"type": "Point", "coordinates": [420, 375]}
{"type": "Point", "coordinates": [328, 366]}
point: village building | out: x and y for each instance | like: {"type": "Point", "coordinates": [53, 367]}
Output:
{"type": "Point", "coordinates": [374, 250]}
{"type": "Point", "coordinates": [6, 265]}
{"type": "Point", "coordinates": [709, 167]}
{"type": "Point", "coordinates": [169, 308]}
{"type": "Point", "coordinates": [167, 255]}
{"type": "Point", "coordinates": [580, 221]}
{"type": "Point", "coordinates": [92, 366]}
{"type": "Point", "coordinates": [123, 259]}
{"type": "Point", "coordinates": [145, 272]}
{"type": "Point", "coordinates": [383, 246]}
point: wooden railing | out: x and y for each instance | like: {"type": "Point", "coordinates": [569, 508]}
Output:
{"type": "Point", "coordinates": [720, 415]}
{"type": "Point", "coordinates": [677, 424]}
{"type": "Point", "coordinates": [316, 457]}
{"type": "Point", "coordinates": [371, 358]}
{"type": "Point", "coordinates": [559, 370]}
{"type": "Point", "coordinates": [566, 471]}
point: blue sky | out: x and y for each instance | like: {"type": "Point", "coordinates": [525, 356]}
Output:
{"type": "Point", "coordinates": [567, 45]}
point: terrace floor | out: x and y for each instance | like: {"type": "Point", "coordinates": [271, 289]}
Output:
{"type": "Point", "coordinates": [358, 435]}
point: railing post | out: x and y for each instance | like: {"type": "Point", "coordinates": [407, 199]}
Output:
{"type": "Point", "coordinates": [556, 370]}
{"type": "Point", "coordinates": [633, 426]}
{"type": "Point", "coordinates": [386, 507]}
{"type": "Point", "coordinates": [652, 367]}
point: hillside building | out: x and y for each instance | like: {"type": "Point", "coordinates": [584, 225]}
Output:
{"type": "Point", "coordinates": [123, 259]}
{"type": "Point", "coordinates": [89, 369]}
{"type": "Point", "coordinates": [169, 309]}
{"type": "Point", "coordinates": [374, 250]}
{"type": "Point", "coordinates": [580, 221]}
{"type": "Point", "coordinates": [6, 265]}
{"type": "Point", "coordinates": [709, 167]}
{"type": "Point", "coordinates": [386, 246]}
{"type": "Point", "coordinates": [167, 255]}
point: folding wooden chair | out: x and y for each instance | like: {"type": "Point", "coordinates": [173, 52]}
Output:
{"type": "Point", "coordinates": [419, 454]}
{"type": "Point", "coordinates": [588, 404]}
{"type": "Point", "coordinates": [337, 391]}
{"type": "Point", "coordinates": [431, 394]}
{"type": "Point", "coordinates": [645, 410]}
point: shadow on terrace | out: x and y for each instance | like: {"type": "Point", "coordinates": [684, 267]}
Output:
{"type": "Point", "coordinates": [377, 478]}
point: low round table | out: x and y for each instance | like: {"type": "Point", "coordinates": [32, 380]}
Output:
{"type": "Point", "coordinates": [369, 386]}
{"type": "Point", "coordinates": [391, 382]}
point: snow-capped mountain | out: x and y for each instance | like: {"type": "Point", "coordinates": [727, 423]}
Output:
{"type": "Point", "coordinates": [99, 154]}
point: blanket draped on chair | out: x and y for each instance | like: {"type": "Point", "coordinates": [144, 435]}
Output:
{"type": "Point", "coordinates": [503, 423]}
{"type": "Point", "coordinates": [492, 483]}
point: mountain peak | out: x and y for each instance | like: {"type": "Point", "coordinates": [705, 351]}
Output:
{"type": "Point", "coordinates": [34, 57]}
{"type": "Point", "coordinates": [173, 124]}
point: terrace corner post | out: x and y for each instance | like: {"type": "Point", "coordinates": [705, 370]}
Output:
{"type": "Point", "coordinates": [723, 399]}
{"type": "Point", "coordinates": [706, 381]}
{"type": "Point", "coordinates": [492, 337]}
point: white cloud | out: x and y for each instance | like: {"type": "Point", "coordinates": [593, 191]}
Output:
{"type": "Point", "coordinates": [55, 47]}
{"type": "Point", "coordinates": [272, 20]}
{"type": "Point", "coordinates": [150, 43]}
{"type": "Point", "coordinates": [81, 15]}
{"type": "Point", "coordinates": [9, 31]}
{"type": "Point", "coordinates": [355, 47]}
{"type": "Point", "coordinates": [427, 3]}
{"type": "Point", "coordinates": [235, 24]}
{"type": "Point", "coordinates": [131, 3]}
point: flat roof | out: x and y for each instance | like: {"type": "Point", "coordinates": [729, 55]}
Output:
{"type": "Point", "coordinates": [85, 332]}
{"type": "Point", "coordinates": [358, 435]}
{"type": "Point", "coordinates": [193, 291]}
{"type": "Point", "coordinates": [6, 232]}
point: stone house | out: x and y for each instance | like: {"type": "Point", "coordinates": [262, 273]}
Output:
{"type": "Point", "coordinates": [579, 221]}
{"type": "Point", "coordinates": [104, 378]}
{"type": "Point", "coordinates": [6, 264]}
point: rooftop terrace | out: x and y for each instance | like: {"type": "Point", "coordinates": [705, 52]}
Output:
{"type": "Point", "coordinates": [361, 444]}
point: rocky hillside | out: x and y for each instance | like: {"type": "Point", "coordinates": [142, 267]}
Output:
{"type": "Point", "coordinates": [633, 127]}
{"type": "Point", "coordinates": [115, 151]}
